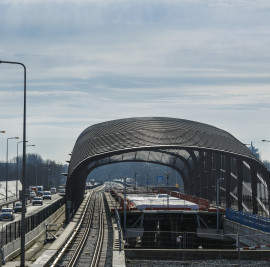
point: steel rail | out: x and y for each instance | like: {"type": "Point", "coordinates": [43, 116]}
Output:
{"type": "Point", "coordinates": [81, 243]}
{"type": "Point", "coordinates": [98, 249]}
{"type": "Point", "coordinates": [64, 249]}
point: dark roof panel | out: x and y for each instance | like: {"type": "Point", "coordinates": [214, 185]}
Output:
{"type": "Point", "coordinates": [132, 133]}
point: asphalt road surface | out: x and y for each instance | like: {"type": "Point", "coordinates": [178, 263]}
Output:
{"type": "Point", "coordinates": [31, 209]}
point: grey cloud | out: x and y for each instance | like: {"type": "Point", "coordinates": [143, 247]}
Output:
{"type": "Point", "coordinates": [90, 61]}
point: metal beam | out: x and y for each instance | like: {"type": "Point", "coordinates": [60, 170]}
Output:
{"type": "Point", "coordinates": [254, 189]}
{"type": "Point", "coordinates": [240, 184]}
{"type": "Point", "coordinates": [209, 175]}
{"type": "Point", "coordinates": [228, 163]}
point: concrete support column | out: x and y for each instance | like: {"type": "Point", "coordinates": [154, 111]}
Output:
{"type": "Point", "coordinates": [209, 175]}
{"type": "Point", "coordinates": [266, 177]}
{"type": "Point", "coordinates": [228, 163]}
{"type": "Point", "coordinates": [200, 185]}
{"type": "Point", "coordinates": [254, 189]}
{"type": "Point", "coordinates": [240, 184]}
{"type": "Point", "coordinates": [188, 188]}
{"type": "Point", "coordinates": [75, 190]}
{"type": "Point", "coordinates": [218, 165]}
{"type": "Point", "coordinates": [217, 175]}
{"type": "Point", "coordinates": [194, 173]}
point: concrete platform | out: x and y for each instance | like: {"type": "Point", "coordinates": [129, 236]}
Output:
{"type": "Point", "coordinates": [111, 201]}
{"type": "Point", "coordinates": [118, 253]}
{"type": "Point", "coordinates": [16, 264]}
{"type": "Point", "coordinates": [119, 259]}
{"type": "Point", "coordinates": [48, 256]}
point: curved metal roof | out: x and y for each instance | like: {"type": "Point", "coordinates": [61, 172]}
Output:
{"type": "Point", "coordinates": [152, 132]}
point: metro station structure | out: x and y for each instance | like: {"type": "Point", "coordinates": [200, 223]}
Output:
{"type": "Point", "coordinates": [200, 153]}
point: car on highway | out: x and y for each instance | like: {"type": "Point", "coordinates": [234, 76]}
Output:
{"type": "Point", "coordinates": [47, 195]}
{"type": "Point", "coordinates": [53, 190]}
{"type": "Point", "coordinates": [17, 207]}
{"type": "Point", "coordinates": [61, 191]}
{"type": "Point", "coordinates": [33, 194]}
{"type": "Point", "coordinates": [7, 214]}
{"type": "Point", "coordinates": [37, 201]}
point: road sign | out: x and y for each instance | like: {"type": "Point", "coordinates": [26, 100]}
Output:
{"type": "Point", "coordinates": [159, 179]}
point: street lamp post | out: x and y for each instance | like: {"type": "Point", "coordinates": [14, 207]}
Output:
{"type": "Point", "coordinates": [168, 203]}
{"type": "Point", "coordinates": [36, 175]}
{"type": "Point", "coordinates": [218, 181]}
{"type": "Point", "coordinates": [135, 174]}
{"type": "Point", "coordinates": [48, 177]}
{"type": "Point", "coordinates": [147, 183]}
{"type": "Point", "coordinates": [23, 165]}
{"type": "Point", "coordinates": [7, 166]}
{"type": "Point", "coordinates": [17, 161]}
{"type": "Point", "coordinates": [28, 146]}
{"type": "Point", "coordinates": [52, 178]}
{"type": "Point", "coordinates": [44, 168]}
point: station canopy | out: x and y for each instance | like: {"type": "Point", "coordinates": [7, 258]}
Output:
{"type": "Point", "coordinates": [201, 153]}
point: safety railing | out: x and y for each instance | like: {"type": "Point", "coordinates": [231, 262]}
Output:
{"type": "Point", "coordinates": [12, 231]}
{"type": "Point", "coordinates": [190, 247]}
{"type": "Point", "coordinates": [4, 201]}
{"type": "Point", "coordinates": [252, 220]}
{"type": "Point", "coordinates": [118, 222]}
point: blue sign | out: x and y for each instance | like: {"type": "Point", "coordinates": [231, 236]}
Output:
{"type": "Point", "coordinates": [159, 179]}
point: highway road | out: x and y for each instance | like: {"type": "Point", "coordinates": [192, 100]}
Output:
{"type": "Point", "coordinates": [31, 209]}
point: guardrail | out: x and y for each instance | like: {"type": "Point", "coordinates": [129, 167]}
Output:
{"type": "Point", "coordinates": [4, 201]}
{"type": "Point", "coordinates": [12, 231]}
{"type": "Point", "coordinates": [252, 220]}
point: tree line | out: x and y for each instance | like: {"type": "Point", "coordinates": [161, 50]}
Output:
{"type": "Point", "coordinates": [38, 171]}
{"type": "Point", "coordinates": [256, 152]}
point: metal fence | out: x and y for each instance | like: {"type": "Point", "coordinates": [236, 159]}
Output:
{"type": "Point", "coordinates": [189, 246]}
{"type": "Point", "coordinates": [175, 240]}
{"type": "Point", "coordinates": [12, 231]}
{"type": "Point", "coordinates": [118, 222]}
{"type": "Point", "coordinates": [255, 221]}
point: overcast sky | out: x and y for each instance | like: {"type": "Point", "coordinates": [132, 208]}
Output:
{"type": "Point", "coordinates": [93, 61]}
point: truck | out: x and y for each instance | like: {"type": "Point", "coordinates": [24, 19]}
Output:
{"type": "Point", "coordinates": [39, 190]}
{"type": "Point", "coordinates": [33, 188]}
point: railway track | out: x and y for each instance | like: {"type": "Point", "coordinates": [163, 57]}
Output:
{"type": "Point", "coordinates": [85, 246]}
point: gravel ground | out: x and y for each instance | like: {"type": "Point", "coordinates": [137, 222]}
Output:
{"type": "Point", "coordinates": [203, 263]}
